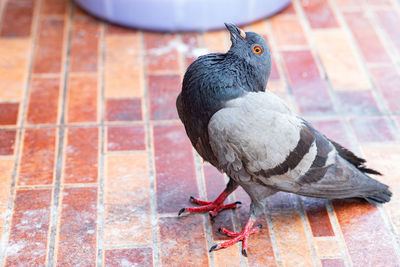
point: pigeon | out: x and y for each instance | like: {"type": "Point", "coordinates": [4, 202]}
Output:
{"type": "Point", "coordinates": [250, 134]}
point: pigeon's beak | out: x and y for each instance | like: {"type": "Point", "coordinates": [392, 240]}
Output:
{"type": "Point", "coordinates": [236, 33]}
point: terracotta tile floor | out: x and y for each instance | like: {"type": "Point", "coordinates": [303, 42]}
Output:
{"type": "Point", "coordinates": [95, 165]}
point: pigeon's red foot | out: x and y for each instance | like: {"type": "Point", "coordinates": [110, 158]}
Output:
{"type": "Point", "coordinates": [212, 206]}
{"type": "Point", "coordinates": [243, 236]}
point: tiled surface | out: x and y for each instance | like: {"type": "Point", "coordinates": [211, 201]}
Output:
{"type": "Point", "coordinates": [94, 163]}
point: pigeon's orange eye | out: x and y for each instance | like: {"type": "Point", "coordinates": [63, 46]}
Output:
{"type": "Point", "coordinates": [257, 50]}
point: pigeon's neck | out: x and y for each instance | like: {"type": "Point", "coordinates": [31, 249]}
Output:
{"type": "Point", "coordinates": [248, 77]}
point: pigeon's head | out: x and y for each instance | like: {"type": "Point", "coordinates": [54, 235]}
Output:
{"type": "Point", "coordinates": [254, 50]}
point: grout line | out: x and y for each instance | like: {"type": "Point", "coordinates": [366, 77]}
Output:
{"type": "Point", "coordinates": [2, 8]}
{"type": "Point", "coordinates": [281, 67]}
{"type": "Point", "coordinates": [338, 233]}
{"type": "Point", "coordinates": [395, 57]}
{"type": "Point", "coordinates": [101, 153]}
{"type": "Point", "coordinates": [202, 193]}
{"type": "Point", "coordinates": [274, 241]}
{"type": "Point", "coordinates": [150, 153]}
{"type": "Point", "coordinates": [308, 32]}
{"type": "Point", "coordinates": [62, 185]}
{"type": "Point", "coordinates": [307, 230]}
{"type": "Point", "coordinates": [387, 222]}
{"type": "Point", "coordinates": [19, 140]}
{"type": "Point", "coordinates": [91, 124]}
{"type": "Point", "coordinates": [136, 246]}
{"type": "Point", "coordinates": [52, 248]}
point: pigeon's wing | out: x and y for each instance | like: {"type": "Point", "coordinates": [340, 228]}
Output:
{"type": "Point", "coordinates": [257, 139]}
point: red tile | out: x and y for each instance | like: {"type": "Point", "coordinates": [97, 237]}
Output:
{"type": "Point", "coordinates": [123, 138]}
{"type": "Point", "coordinates": [127, 216]}
{"type": "Point", "coordinates": [82, 99]}
{"type": "Point", "coordinates": [372, 130]}
{"type": "Point", "coordinates": [288, 31]}
{"type": "Point", "coordinates": [77, 236]}
{"type": "Point", "coordinates": [81, 156]}
{"type": "Point", "coordinates": [319, 13]}
{"type": "Point", "coordinates": [8, 113]}
{"type": "Point", "coordinates": [289, 232]}
{"type": "Point", "coordinates": [163, 91]}
{"type": "Point", "coordinates": [301, 67]}
{"type": "Point", "coordinates": [128, 257]}
{"type": "Point", "coordinates": [366, 37]}
{"type": "Point", "coordinates": [260, 246]}
{"type": "Point", "coordinates": [358, 102]}
{"type": "Point", "coordinates": [47, 57]}
{"type": "Point", "coordinates": [318, 216]}
{"type": "Point", "coordinates": [215, 184]}
{"type": "Point", "coordinates": [174, 164]}
{"type": "Point", "coordinates": [161, 54]}
{"type": "Point", "coordinates": [84, 44]}
{"type": "Point", "coordinates": [192, 42]}
{"type": "Point", "coordinates": [27, 245]}
{"type": "Point", "coordinates": [387, 79]}
{"type": "Point", "coordinates": [335, 130]}
{"type": "Point", "coordinates": [43, 101]}
{"type": "Point", "coordinates": [282, 201]}
{"type": "Point", "coordinates": [313, 99]}
{"type": "Point", "coordinates": [54, 7]}
{"type": "Point", "coordinates": [17, 18]}
{"type": "Point", "coordinates": [38, 155]}
{"type": "Point", "coordinates": [309, 89]}
{"type": "Point", "coordinates": [7, 142]}
{"type": "Point", "coordinates": [332, 263]}
{"type": "Point", "coordinates": [182, 241]}
{"type": "Point", "coordinates": [389, 19]}
{"type": "Point", "coordinates": [113, 29]}
{"type": "Point", "coordinates": [367, 239]}
{"type": "Point", "coordinates": [124, 109]}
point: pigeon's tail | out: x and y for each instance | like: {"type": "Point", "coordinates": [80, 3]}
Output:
{"type": "Point", "coordinates": [382, 197]}
{"type": "Point", "coordinates": [344, 180]}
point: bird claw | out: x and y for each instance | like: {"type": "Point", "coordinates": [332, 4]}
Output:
{"type": "Point", "coordinates": [181, 211]}
{"type": "Point", "coordinates": [237, 236]}
{"type": "Point", "coordinates": [215, 247]}
{"type": "Point", "coordinates": [244, 252]}
{"type": "Point", "coordinates": [212, 217]}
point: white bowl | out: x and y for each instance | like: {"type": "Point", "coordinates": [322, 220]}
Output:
{"type": "Point", "coordinates": [182, 15]}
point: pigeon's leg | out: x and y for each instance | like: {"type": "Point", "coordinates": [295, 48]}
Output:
{"type": "Point", "coordinates": [214, 206]}
{"type": "Point", "coordinates": [242, 236]}
{"type": "Point", "coordinates": [255, 211]}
